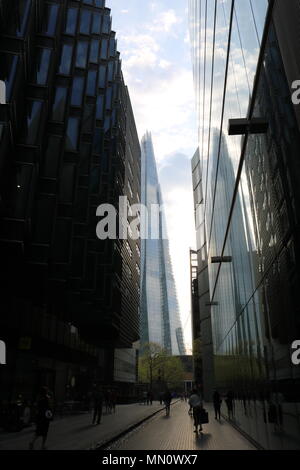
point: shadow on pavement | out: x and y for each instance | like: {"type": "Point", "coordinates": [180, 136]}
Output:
{"type": "Point", "coordinates": [202, 439]}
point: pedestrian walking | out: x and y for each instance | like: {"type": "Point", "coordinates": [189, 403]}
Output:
{"type": "Point", "coordinates": [167, 401]}
{"type": "Point", "coordinates": [98, 405]}
{"type": "Point", "coordinates": [229, 403]}
{"type": "Point", "coordinates": [43, 418]}
{"type": "Point", "coordinates": [217, 404]}
{"type": "Point", "coordinates": [196, 404]}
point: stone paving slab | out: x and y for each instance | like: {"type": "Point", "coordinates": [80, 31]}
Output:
{"type": "Point", "coordinates": [78, 433]}
{"type": "Point", "coordinates": [177, 433]}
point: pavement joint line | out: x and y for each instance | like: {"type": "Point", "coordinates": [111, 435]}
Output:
{"type": "Point", "coordinates": [122, 434]}
{"type": "Point", "coordinates": [243, 433]}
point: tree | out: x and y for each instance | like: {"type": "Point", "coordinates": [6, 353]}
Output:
{"type": "Point", "coordinates": [155, 365]}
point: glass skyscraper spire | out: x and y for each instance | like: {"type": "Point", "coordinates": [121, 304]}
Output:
{"type": "Point", "coordinates": [160, 321]}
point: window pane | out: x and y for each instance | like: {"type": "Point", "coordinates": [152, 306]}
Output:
{"type": "Point", "coordinates": [102, 76]}
{"type": "Point", "coordinates": [71, 20]}
{"type": "Point", "coordinates": [59, 105]}
{"type": "Point", "coordinates": [9, 77]}
{"type": "Point", "coordinates": [77, 91]}
{"type": "Point", "coordinates": [106, 24]}
{"type": "Point", "coordinates": [104, 45]}
{"type": "Point", "coordinates": [110, 71]}
{"type": "Point", "coordinates": [85, 22]}
{"type": "Point", "coordinates": [50, 20]}
{"type": "Point", "coordinates": [94, 52]}
{"type": "Point", "coordinates": [99, 109]}
{"type": "Point", "coordinates": [66, 183]}
{"type": "Point", "coordinates": [91, 83]}
{"type": "Point", "coordinates": [43, 62]}
{"type": "Point", "coordinates": [33, 119]}
{"type": "Point", "coordinates": [18, 25]}
{"type": "Point", "coordinates": [97, 144]}
{"type": "Point", "coordinates": [109, 97]}
{"type": "Point", "coordinates": [81, 55]}
{"type": "Point", "coordinates": [72, 134]}
{"type": "Point", "coordinates": [112, 47]}
{"type": "Point", "coordinates": [96, 27]}
{"type": "Point", "coordinates": [88, 118]}
{"type": "Point", "coordinates": [66, 59]}
{"type": "Point", "coordinates": [50, 166]}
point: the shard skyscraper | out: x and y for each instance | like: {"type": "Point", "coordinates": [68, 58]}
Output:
{"type": "Point", "coordinates": [160, 320]}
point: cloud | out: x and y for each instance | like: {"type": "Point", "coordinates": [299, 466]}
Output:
{"type": "Point", "coordinates": [164, 21]}
{"type": "Point", "coordinates": [124, 12]}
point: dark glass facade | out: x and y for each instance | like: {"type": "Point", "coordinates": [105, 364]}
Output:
{"type": "Point", "coordinates": [247, 205]}
{"type": "Point", "coordinates": [67, 138]}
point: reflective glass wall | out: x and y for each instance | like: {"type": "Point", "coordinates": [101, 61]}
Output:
{"type": "Point", "coordinates": [247, 213]}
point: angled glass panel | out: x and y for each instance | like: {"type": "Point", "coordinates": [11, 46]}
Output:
{"type": "Point", "coordinates": [71, 23]}
{"type": "Point", "coordinates": [81, 54]}
{"type": "Point", "coordinates": [59, 104]}
{"type": "Point", "coordinates": [96, 25]}
{"type": "Point", "coordinates": [104, 46]}
{"type": "Point", "coordinates": [85, 21]}
{"type": "Point", "coordinates": [102, 76]}
{"type": "Point", "coordinates": [100, 107]}
{"type": "Point", "coordinates": [66, 59]}
{"type": "Point", "coordinates": [72, 134]}
{"type": "Point", "coordinates": [50, 19]}
{"type": "Point", "coordinates": [32, 122]}
{"type": "Point", "coordinates": [77, 91]}
{"type": "Point", "coordinates": [91, 83]}
{"type": "Point", "coordinates": [43, 63]}
{"type": "Point", "coordinates": [94, 51]}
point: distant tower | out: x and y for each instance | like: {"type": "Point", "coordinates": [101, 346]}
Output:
{"type": "Point", "coordinates": [160, 321]}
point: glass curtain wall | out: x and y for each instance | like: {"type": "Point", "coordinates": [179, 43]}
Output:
{"type": "Point", "coordinates": [246, 211]}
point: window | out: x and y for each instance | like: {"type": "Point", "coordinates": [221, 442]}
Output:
{"type": "Point", "coordinates": [91, 83]}
{"type": "Point", "coordinates": [66, 59]}
{"type": "Point", "coordinates": [88, 118]}
{"type": "Point", "coordinates": [81, 54]}
{"type": "Point", "coordinates": [130, 189]}
{"type": "Point", "coordinates": [50, 19]}
{"type": "Point", "coordinates": [112, 47]}
{"type": "Point", "coordinates": [128, 271]}
{"type": "Point", "coordinates": [43, 62]}
{"type": "Point", "coordinates": [71, 22]}
{"type": "Point", "coordinates": [99, 107]}
{"type": "Point", "coordinates": [18, 26]}
{"type": "Point", "coordinates": [66, 183]}
{"type": "Point", "coordinates": [138, 269]}
{"type": "Point", "coordinates": [72, 134]}
{"type": "Point", "coordinates": [104, 46]}
{"type": "Point", "coordinates": [102, 76]}
{"type": "Point", "coordinates": [94, 52]}
{"type": "Point", "coordinates": [106, 24]}
{"type": "Point", "coordinates": [85, 21]}
{"type": "Point", "coordinates": [32, 122]}
{"type": "Point", "coordinates": [96, 26]}
{"type": "Point", "coordinates": [51, 159]}
{"type": "Point", "coordinates": [109, 98]}
{"type": "Point", "coordinates": [110, 71]}
{"type": "Point", "coordinates": [12, 64]}
{"type": "Point", "coordinates": [95, 180]}
{"type": "Point", "coordinates": [97, 144]}
{"type": "Point", "coordinates": [59, 104]}
{"type": "Point", "coordinates": [77, 91]}
{"type": "Point", "coordinates": [137, 249]}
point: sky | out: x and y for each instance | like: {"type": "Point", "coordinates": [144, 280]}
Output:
{"type": "Point", "coordinates": [154, 44]}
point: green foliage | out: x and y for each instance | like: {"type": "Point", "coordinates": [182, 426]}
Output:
{"type": "Point", "coordinates": [155, 365]}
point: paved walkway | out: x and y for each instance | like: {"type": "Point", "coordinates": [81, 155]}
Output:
{"type": "Point", "coordinates": [77, 432]}
{"type": "Point", "coordinates": [177, 433]}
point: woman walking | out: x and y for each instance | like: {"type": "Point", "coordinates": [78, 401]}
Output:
{"type": "Point", "coordinates": [196, 403]}
{"type": "Point", "coordinates": [43, 418]}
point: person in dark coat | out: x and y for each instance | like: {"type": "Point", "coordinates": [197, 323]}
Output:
{"type": "Point", "coordinates": [98, 405]}
{"type": "Point", "coordinates": [167, 401]}
{"type": "Point", "coordinates": [43, 418]}
{"type": "Point", "coordinates": [217, 404]}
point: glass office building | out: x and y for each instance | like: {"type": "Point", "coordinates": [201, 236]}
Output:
{"type": "Point", "coordinates": [160, 321]}
{"type": "Point", "coordinates": [68, 143]}
{"type": "Point", "coordinates": [246, 180]}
